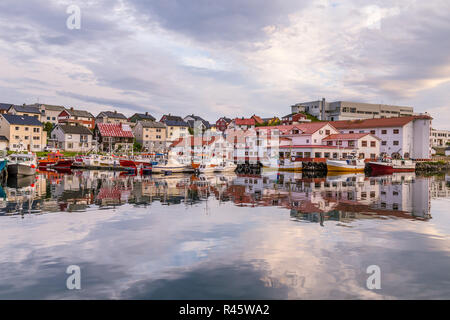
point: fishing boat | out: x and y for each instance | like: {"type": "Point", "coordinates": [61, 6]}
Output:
{"type": "Point", "coordinates": [55, 160]}
{"type": "Point", "coordinates": [206, 168]}
{"type": "Point", "coordinates": [290, 165]}
{"type": "Point", "coordinates": [22, 164]}
{"type": "Point", "coordinates": [383, 165]}
{"type": "Point", "coordinates": [171, 166]}
{"type": "Point", "coordinates": [348, 165]}
{"type": "Point", "coordinates": [3, 165]}
{"type": "Point", "coordinates": [225, 166]}
{"type": "Point", "coordinates": [404, 165]}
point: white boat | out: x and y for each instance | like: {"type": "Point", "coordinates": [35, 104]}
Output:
{"type": "Point", "coordinates": [206, 168]}
{"type": "Point", "coordinates": [403, 165]}
{"type": "Point", "coordinates": [171, 166]}
{"type": "Point", "coordinates": [225, 166]}
{"type": "Point", "coordinates": [22, 164]}
{"type": "Point", "coordinates": [289, 165]}
{"type": "Point", "coordinates": [349, 165]}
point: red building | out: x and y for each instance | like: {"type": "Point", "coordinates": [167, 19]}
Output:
{"type": "Point", "coordinates": [293, 118]}
{"type": "Point", "coordinates": [77, 117]}
{"type": "Point", "coordinates": [222, 124]}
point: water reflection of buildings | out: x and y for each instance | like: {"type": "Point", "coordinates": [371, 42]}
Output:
{"type": "Point", "coordinates": [337, 198]}
{"type": "Point", "coordinates": [340, 198]}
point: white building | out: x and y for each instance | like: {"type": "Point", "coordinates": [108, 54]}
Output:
{"type": "Point", "coordinates": [407, 137]}
{"type": "Point", "coordinates": [345, 110]}
{"type": "Point", "coordinates": [76, 138]}
{"type": "Point", "coordinates": [439, 138]}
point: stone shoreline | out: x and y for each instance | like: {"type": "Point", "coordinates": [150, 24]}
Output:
{"type": "Point", "coordinates": [433, 166]}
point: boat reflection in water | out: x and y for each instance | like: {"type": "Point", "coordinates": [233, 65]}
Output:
{"type": "Point", "coordinates": [335, 197]}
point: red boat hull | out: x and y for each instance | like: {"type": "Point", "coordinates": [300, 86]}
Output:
{"type": "Point", "coordinates": [381, 168]}
{"type": "Point", "coordinates": [63, 164]}
{"type": "Point", "coordinates": [127, 163]}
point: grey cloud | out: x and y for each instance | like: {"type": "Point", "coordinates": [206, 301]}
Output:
{"type": "Point", "coordinates": [232, 20]}
{"type": "Point", "coordinates": [129, 106]}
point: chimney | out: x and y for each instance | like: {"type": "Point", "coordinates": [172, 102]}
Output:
{"type": "Point", "coordinates": [146, 113]}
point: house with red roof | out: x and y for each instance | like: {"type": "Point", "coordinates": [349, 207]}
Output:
{"type": "Point", "coordinates": [114, 137]}
{"type": "Point", "coordinates": [242, 124]}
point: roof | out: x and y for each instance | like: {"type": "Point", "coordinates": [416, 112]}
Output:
{"type": "Point", "coordinates": [197, 118]}
{"type": "Point", "coordinates": [74, 129]}
{"type": "Point", "coordinates": [27, 109]}
{"type": "Point", "coordinates": [245, 122]}
{"type": "Point", "coordinates": [377, 123]}
{"type": "Point", "coordinates": [144, 116]}
{"type": "Point", "coordinates": [111, 114]}
{"type": "Point", "coordinates": [227, 120]}
{"type": "Point", "coordinates": [192, 141]}
{"type": "Point", "coordinates": [80, 113]}
{"type": "Point", "coordinates": [175, 123]}
{"type": "Point", "coordinates": [22, 120]}
{"type": "Point", "coordinates": [115, 130]}
{"type": "Point", "coordinates": [306, 128]}
{"type": "Point", "coordinates": [152, 124]}
{"type": "Point", "coordinates": [293, 114]}
{"type": "Point", "coordinates": [169, 117]}
{"type": "Point", "coordinates": [53, 108]}
{"type": "Point", "coordinates": [348, 136]}
{"type": "Point", "coordinates": [257, 119]}
{"type": "Point", "coordinates": [3, 138]}
{"type": "Point", "coordinates": [5, 106]}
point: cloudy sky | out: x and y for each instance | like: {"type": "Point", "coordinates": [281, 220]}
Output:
{"type": "Point", "coordinates": [232, 58]}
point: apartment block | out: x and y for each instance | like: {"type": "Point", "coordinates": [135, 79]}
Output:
{"type": "Point", "coordinates": [345, 110]}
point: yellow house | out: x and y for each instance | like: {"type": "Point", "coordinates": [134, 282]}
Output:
{"type": "Point", "coordinates": [23, 132]}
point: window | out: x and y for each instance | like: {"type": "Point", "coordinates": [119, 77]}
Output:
{"type": "Point", "coordinates": [327, 132]}
{"type": "Point", "coordinates": [373, 144]}
{"type": "Point", "coordinates": [351, 132]}
{"type": "Point", "coordinates": [344, 155]}
{"type": "Point", "coordinates": [372, 131]}
{"type": "Point", "coordinates": [26, 128]}
{"type": "Point", "coordinates": [362, 155]}
{"type": "Point", "coordinates": [351, 143]}
{"type": "Point", "coordinates": [335, 155]}
{"type": "Point", "coordinates": [318, 155]}
{"type": "Point", "coordinates": [396, 131]}
{"type": "Point", "coordinates": [364, 143]}
{"type": "Point", "coordinates": [36, 129]}
{"type": "Point", "coordinates": [17, 128]}
{"type": "Point", "coordinates": [383, 143]}
{"type": "Point", "coordinates": [36, 138]}
{"type": "Point", "coordinates": [48, 118]}
{"type": "Point", "coordinates": [373, 156]}
{"type": "Point", "coordinates": [396, 143]}
{"type": "Point", "coordinates": [329, 143]}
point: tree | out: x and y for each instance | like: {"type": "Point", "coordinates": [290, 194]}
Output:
{"type": "Point", "coordinates": [137, 147]}
{"type": "Point", "coordinates": [48, 126]}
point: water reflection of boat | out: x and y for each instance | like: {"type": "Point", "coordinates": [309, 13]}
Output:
{"type": "Point", "coordinates": [20, 181]}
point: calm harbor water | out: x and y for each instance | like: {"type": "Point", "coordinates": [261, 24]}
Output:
{"type": "Point", "coordinates": [270, 236]}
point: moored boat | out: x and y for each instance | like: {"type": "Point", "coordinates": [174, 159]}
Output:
{"type": "Point", "coordinates": [171, 166]}
{"type": "Point", "coordinates": [382, 166]}
{"type": "Point", "coordinates": [404, 165]}
{"type": "Point", "coordinates": [22, 164]}
{"type": "Point", "coordinates": [290, 165]}
{"type": "Point", "coordinates": [225, 166]}
{"type": "Point", "coordinates": [348, 165]}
